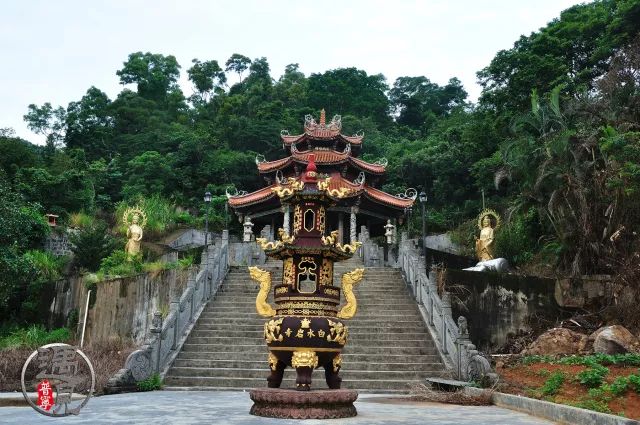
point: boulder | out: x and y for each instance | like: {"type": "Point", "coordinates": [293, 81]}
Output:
{"type": "Point", "coordinates": [557, 341]}
{"type": "Point", "coordinates": [614, 339]}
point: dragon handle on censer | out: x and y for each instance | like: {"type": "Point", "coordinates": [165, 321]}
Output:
{"type": "Point", "coordinates": [305, 329]}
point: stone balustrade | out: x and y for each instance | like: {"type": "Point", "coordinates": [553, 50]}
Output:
{"type": "Point", "coordinates": [457, 352]}
{"type": "Point", "coordinates": [166, 336]}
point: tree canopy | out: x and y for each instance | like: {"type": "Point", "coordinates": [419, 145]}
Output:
{"type": "Point", "coordinates": [557, 120]}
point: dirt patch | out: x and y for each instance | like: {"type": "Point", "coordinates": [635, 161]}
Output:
{"type": "Point", "coordinates": [529, 379]}
{"type": "Point", "coordinates": [423, 393]}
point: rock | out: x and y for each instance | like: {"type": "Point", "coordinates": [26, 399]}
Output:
{"type": "Point", "coordinates": [614, 339]}
{"type": "Point", "coordinates": [557, 341]}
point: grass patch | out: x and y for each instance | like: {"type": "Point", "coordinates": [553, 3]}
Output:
{"type": "Point", "coordinates": [34, 337]}
{"type": "Point", "coordinates": [152, 383]}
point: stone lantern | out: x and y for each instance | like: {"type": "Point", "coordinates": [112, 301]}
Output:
{"type": "Point", "coordinates": [247, 234]}
{"type": "Point", "coordinates": [389, 231]}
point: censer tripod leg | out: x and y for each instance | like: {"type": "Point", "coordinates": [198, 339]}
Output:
{"type": "Point", "coordinates": [303, 378]}
{"type": "Point", "coordinates": [331, 373]}
{"type": "Point", "coordinates": [275, 379]}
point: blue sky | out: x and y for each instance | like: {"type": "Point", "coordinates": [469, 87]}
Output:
{"type": "Point", "coordinates": [53, 51]}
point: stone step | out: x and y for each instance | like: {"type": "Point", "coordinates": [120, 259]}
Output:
{"type": "Point", "coordinates": [346, 365]}
{"type": "Point", "coordinates": [254, 320]}
{"type": "Point", "coordinates": [247, 330]}
{"type": "Point", "coordinates": [396, 316]}
{"type": "Point", "coordinates": [355, 340]}
{"type": "Point", "coordinates": [290, 373]}
{"type": "Point", "coordinates": [353, 336]}
{"type": "Point", "coordinates": [346, 357]}
{"type": "Point", "coordinates": [388, 347]}
{"type": "Point", "coordinates": [386, 304]}
{"type": "Point", "coordinates": [317, 383]}
{"type": "Point", "coordinates": [359, 349]}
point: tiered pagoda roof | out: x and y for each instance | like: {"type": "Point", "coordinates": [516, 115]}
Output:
{"type": "Point", "coordinates": [336, 156]}
{"type": "Point", "coordinates": [321, 131]}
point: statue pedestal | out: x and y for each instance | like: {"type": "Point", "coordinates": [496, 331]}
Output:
{"type": "Point", "coordinates": [292, 404]}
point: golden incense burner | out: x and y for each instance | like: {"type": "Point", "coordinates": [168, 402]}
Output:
{"type": "Point", "coordinates": [306, 327]}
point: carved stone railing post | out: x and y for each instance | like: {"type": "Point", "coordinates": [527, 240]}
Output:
{"type": "Point", "coordinates": [211, 265]}
{"type": "Point", "coordinates": [444, 313]}
{"type": "Point", "coordinates": [462, 342]}
{"type": "Point", "coordinates": [174, 307]}
{"type": "Point", "coordinates": [156, 329]}
{"type": "Point", "coordinates": [191, 283]}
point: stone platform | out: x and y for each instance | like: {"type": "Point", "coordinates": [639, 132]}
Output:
{"type": "Point", "coordinates": [291, 404]}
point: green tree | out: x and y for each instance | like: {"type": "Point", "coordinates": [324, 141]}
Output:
{"type": "Point", "coordinates": [237, 63]}
{"type": "Point", "coordinates": [47, 121]}
{"type": "Point", "coordinates": [350, 91]}
{"type": "Point", "coordinates": [16, 153]}
{"type": "Point", "coordinates": [91, 244]}
{"type": "Point", "coordinates": [154, 74]}
{"type": "Point", "coordinates": [206, 77]}
{"type": "Point", "coordinates": [147, 174]}
{"type": "Point", "coordinates": [90, 125]}
{"type": "Point", "coordinates": [572, 52]}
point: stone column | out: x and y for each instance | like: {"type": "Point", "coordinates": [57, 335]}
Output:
{"type": "Point", "coordinates": [272, 229]}
{"type": "Point", "coordinates": [285, 222]}
{"type": "Point", "coordinates": [352, 225]}
{"type": "Point", "coordinates": [340, 227]}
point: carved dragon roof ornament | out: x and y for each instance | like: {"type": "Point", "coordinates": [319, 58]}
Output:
{"type": "Point", "coordinates": [410, 193]}
{"type": "Point", "coordinates": [236, 193]}
{"type": "Point", "coordinates": [383, 162]}
{"type": "Point", "coordinates": [310, 124]}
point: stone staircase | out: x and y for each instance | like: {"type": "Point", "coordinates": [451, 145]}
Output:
{"type": "Point", "coordinates": [388, 348]}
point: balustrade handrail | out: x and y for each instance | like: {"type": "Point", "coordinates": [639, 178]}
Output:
{"type": "Point", "coordinates": [166, 336]}
{"type": "Point", "coordinates": [451, 338]}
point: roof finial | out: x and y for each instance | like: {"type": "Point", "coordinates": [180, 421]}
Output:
{"type": "Point", "coordinates": [323, 118]}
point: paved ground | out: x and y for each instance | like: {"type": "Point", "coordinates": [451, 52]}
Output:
{"type": "Point", "coordinates": [175, 407]}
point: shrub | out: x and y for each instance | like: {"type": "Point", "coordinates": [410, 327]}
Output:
{"type": "Point", "coordinates": [619, 386]}
{"type": "Point", "coordinates": [592, 404]}
{"type": "Point", "coordinates": [80, 220]}
{"type": "Point", "coordinates": [592, 377]}
{"type": "Point", "coordinates": [37, 290]}
{"type": "Point", "coordinates": [186, 262]}
{"type": "Point", "coordinates": [634, 382]}
{"type": "Point", "coordinates": [627, 359]}
{"type": "Point", "coordinates": [48, 265]}
{"type": "Point", "coordinates": [553, 383]}
{"type": "Point", "coordinates": [516, 240]}
{"type": "Point", "coordinates": [91, 244]}
{"type": "Point", "coordinates": [151, 383]}
{"type": "Point", "coordinates": [120, 264]}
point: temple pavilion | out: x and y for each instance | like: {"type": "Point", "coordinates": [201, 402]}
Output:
{"type": "Point", "coordinates": [334, 155]}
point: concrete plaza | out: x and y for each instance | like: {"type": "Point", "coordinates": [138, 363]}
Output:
{"type": "Point", "coordinates": [226, 407]}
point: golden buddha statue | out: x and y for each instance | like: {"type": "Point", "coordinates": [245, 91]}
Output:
{"type": "Point", "coordinates": [135, 219]}
{"type": "Point", "coordinates": [488, 221]}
